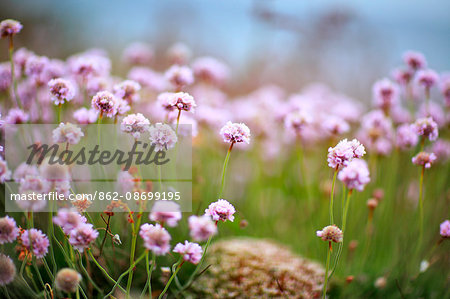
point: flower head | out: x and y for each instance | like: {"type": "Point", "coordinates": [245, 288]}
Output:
{"type": "Point", "coordinates": [16, 116]}
{"type": "Point", "coordinates": [5, 76]}
{"type": "Point", "coordinates": [82, 236]}
{"type": "Point", "coordinates": [385, 94]}
{"type": "Point", "coordinates": [128, 90]}
{"type": "Point", "coordinates": [235, 132]}
{"type": "Point", "coordinates": [85, 116]}
{"type": "Point", "coordinates": [331, 233]}
{"type": "Point", "coordinates": [406, 136]}
{"type": "Point", "coordinates": [445, 229]}
{"type": "Point", "coordinates": [67, 280]}
{"type": "Point", "coordinates": [8, 230]}
{"type": "Point", "coordinates": [178, 100]}
{"type": "Point", "coordinates": [297, 120]}
{"type": "Point", "coordinates": [7, 270]}
{"type": "Point", "coordinates": [135, 124]}
{"type": "Point", "coordinates": [156, 238]}
{"type": "Point", "coordinates": [210, 70]}
{"type": "Point", "coordinates": [402, 76]}
{"type": "Point", "coordinates": [335, 125]}
{"type": "Point", "coordinates": [179, 54]}
{"type": "Point", "coordinates": [138, 53]}
{"type": "Point", "coordinates": [68, 219]}
{"type": "Point", "coordinates": [39, 242]}
{"type": "Point", "coordinates": [191, 252]}
{"type": "Point", "coordinates": [9, 27]}
{"type": "Point", "coordinates": [427, 128]}
{"type": "Point", "coordinates": [344, 152]}
{"type": "Point", "coordinates": [162, 136]}
{"type": "Point", "coordinates": [355, 175]}
{"type": "Point", "coordinates": [424, 159]}
{"type": "Point", "coordinates": [415, 60]}
{"type": "Point", "coordinates": [67, 133]}
{"type": "Point", "coordinates": [180, 76]}
{"type": "Point", "coordinates": [105, 103]}
{"type": "Point", "coordinates": [426, 78]}
{"type": "Point", "coordinates": [201, 227]}
{"type": "Point", "coordinates": [221, 210]}
{"type": "Point", "coordinates": [5, 173]}
{"type": "Point", "coordinates": [61, 90]}
{"type": "Point", "coordinates": [167, 212]}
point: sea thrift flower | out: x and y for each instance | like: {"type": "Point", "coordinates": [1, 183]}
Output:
{"type": "Point", "coordinates": [427, 128]}
{"type": "Point", "coordinates": [16, 116]}
{"type": "Point", "coordinates": [138, 53]}
{"type": "Point", "coordinates": [166, 212]}
{"type": "Point", "coordinates": [406, 136]}
{"type": "Point", "coordinates": [355, 175]}
{"type": "Point", "coordinates": [441, 148]}
{"type": "Point", "coordinates": [415, 60]}
{"type": "Point", "coordinates": [385, 94]}
{"type": "Point", "coordinates": [380, 283]}
{"type": "Point", "coordinates": [180, 76]}
{"type": "Point", "coordinates": [179, 54]}
{"type": "Point", "coordinates": [135, 124]}
{"type": "Point", "coordinates": [5, 173]}
{"type": "Point", "coordinates": [445, 229]}
{"type": "Point", "coordinates": [445, 89]}
{"type": "Point", "coordinates": [61, 90]}
{"type": "Point", "coordinates": [156, 238]}
{"type": "Point", "coordinates": [179, 100]}
{"type": "Point", "coordinates": [297, 120]}
{"type": "Point", "coordinates": [67, 133]}
{"type": "Point", "coordinates": [5, 76]}
{"type": "Point", "coordinates": [125, 182]}
{"type": "Point", "coordinates": [424, 159]}
{"type": "Point", "coordinates": [97, 84]}
{"type": "Point", "coordinates": [7, 270]}
{"type": "Point", "coordinates": [331, 233]}
{"type": "Point", "coordinates": [9, 28]}
{"type": "Point", "coordinates": [335, 125]}
{"type": "Point", "coordinates": [210, 70]}
{"type": "Point", "coordinates": [402, 77]}
{"type": "Point", "coordinates": [68, 219]}
{"type": "Point", "coordinates": [191, 252]}
{"type": "Point", "coordinates": [82, 236]}
{"type": "Point", "coordinates": [435, 111]}
{"type": "Point", "coordinates": [105, 103]}
{"type": "Point", "coordinates": [54, 172]}
{"type": "Point", "coordinates": [85, 116]}
{"type": "Point", "coordinates": [128, 90]}
{"type": "Point", "coordinates": [36, 67]}
{"type": "Point", "coordinates": [122, 107]}
{"type": "Point", "coordinates": [221, 210]}
{"type": "Point", "coordinates": [8, 230]}
{"type": "Point", "coordinates": [426, 78]}
{"type": "Point", "coordinates": [162, 136]}
{"type": "Point", "coordinates": [344, 152]}
{"type": "Point", "coordinates": [67, 280]}
{"type": "Point", "coordinates": [39, 242]}
{"type": "Point", "coordinates": [235, 132]}
{"type": "Point", "coordinates": [201, 227]}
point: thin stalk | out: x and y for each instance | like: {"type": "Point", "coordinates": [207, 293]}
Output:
{"type": "Point", "coordinates": [103, 270]}
{"type": "Point", "coordinates": [332, 196]}
{"type": "Point", "coordinates": [14, 93]}
{"type": "Point", "coordinates": [327, 266]}
{"type": "Point", "coordinates": [5, 290]}
{"type": "Point", "coordinates": [178, 121]}
{"type": "Point", "coordinates": [224, 169]}
{"type": "Point", "coordinates": [133, 248]}
{"type": "Point", "coordinates": [180, 263]}
{"type": "Point", "coordinates": [59, 112]}
{"type": "Point", "coordinates": [421, 208]}
{"type": "Point", "coordinates": [148, 283]}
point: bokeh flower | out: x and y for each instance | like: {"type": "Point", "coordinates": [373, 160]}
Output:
{"type": "Point", "coordinates": [8, 230]}
{"type": "Point", "coordinates": [424, 159]}
{"type": "Point", "coordinates": [427, 128]}
{"type": "Point", "coordinates": [201, 227]}
{"type": "Point", "coordinates": [62, 90]}
{"type": "Point", "coordinates": [68, 219]}
{"type": "Point", "coordinates": [221, 210]}
{"type": "Point", "coordinates": [162, 136]}
{"type": "Point", "coordinates": [7, 270]}
{"type": "Point", "coordinates": [415, 60]}
{"type": "Point", "coordinates": [67, 133]}
{"type": "Point", "coordinates": [426, 78]}
{"type": "Point", "coordinates": [406, 136]}
{"type": "Point", "coordinates": [135, 124]}
{"type": "Point", "coordinates": [39, 242]}
{"type": "Point", "coordinates": [180, 76]}
{"type": "Point", "coordinates": [445, 229]}
{"type": "Point", "coordinates": [5, 173]}
{"type": "Point", "coordinates": [191, 252]}
{"type": "Point", "coordinates": [156, 238]}
{"type": "Point", "coordinates": [178, 100]}
{"type": "Point", "coordinates": [166, 212]}
{"type": "Point", "coordinates": [128, 90]}
{"type": "Point", "coordinates": [67, 280]}
{"type": "Point", "coordinates": [85, 116]}
{"type": "Point", "coordinates": [355, 175]}
{"type": "Point", "coordinates": [385, 94]}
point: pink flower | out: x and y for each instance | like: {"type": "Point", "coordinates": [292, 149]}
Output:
{"type": "Point", "coordinates": [427, 128]}
{"type": "Point", "coordinates": [5, 173]}
{"type": "Point", "coordinates": [82, 236]}
{"type": "Point", "coordinates": [210, 70]}
{"type": "Point", "coordinates": [5, 76]}
{"type": "Point", "coordinates": [406, 136]}
{"type": "Point", "coordinates": [344, 152]}
{"type": "Point", "coordinates": [180, 76]}
{"type": "Point", "coordinates": [162, 136]}
{"type": "Point", "coordinates": [105, 103]}
{"type": "Point", "coordinates": [402, 77]}
{"type": "Point", "coordinates": [355, 175]}
{"type": "Point", "coordinates": [85, 116]}
{"type": "Point", "coordinates": [39, 242]}
{"type": "Point", "coordinates": [445, 229]}
{"type": "Point", "coordinates": [67, 133]}
{"type": "Point", "coordinates": [89, 64]}
{"type": "Point", "coordinates": [331, 233]}
{"type": "Point", "coordinates": [156, 238]}
{"type": "Point", "coordinates": [128, 90]}
{"type": "Point", "coordinates": [62, 90]}
{"type": "Point", "coordinates": [297, 120]}
{"type": "Point", "coordinates": [8, 230]}
{"type": "Point", "coordinates": [148, 78]}
{"type": "Point", "coordinates": [8, 270]}
{"type": "Point", "coordinates": [201, 227]}
{"type": "Point", "coordinates": [97, 84]}
{"type": "Point", "coordinates": [441, 148]}
{"type": "Point", "coordinates": [135, 124]}
{"type": "Point", "coordinates": [191, 252]}
{"type": "Point", "coordinates": [424, 159]}
{"type": "Point", "coordinates": [415, 60]}
{"type": "Point", "coordinates": [445, 88]}
{"type": "Point", "coordinates": [125, 182]}
{"type": "Point", "coordinates": [179, 100]}
{"type": "Point", "coordinates": [9, 27]}
{"type": "Point", "coordinates": [179, 54]}
{"type": "Point", "coordinates": [36, 68]}
{"type": "Point", "coordinates": [235, 132]}
{"type": "Point", "coordinates": [166, 212]}
{"type": "Point", "coordinates": [23, 170]}
{"type": "Point", "coordinates": [16, 116]}
{"type": "Point", "coordinates": [68, 219]}
{"type": "Point", "coordinates": [426, 78]}
{"type": "Point", "coordinates": [385, 94]}
{"type": "Point", "coordinates": [335, 125]}
{"type": "Point", "coordinates": [221, 210]}
{"type": "Point", "coordinates": [138, 53]}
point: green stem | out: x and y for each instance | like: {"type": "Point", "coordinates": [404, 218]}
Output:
{"type": "Point", "coordinates": [332, 196]}
{"type": "Point", "coordinates": [14, 93]}
{"type": "Point", "coordinates": [178, 121]}
{"type": "Point", "coordinates": [149, 269]}
{"type": "Point", "coordinates": [133, 248]}
{"type": "Point", "coordinates": [326, 272]}
{"type": "Point", "coordinates": [179, 263]}
{"type": "Point", "coordinates": [420, 208]}
{"type": "Point", "coordinates": [104, 271]}
{"type": "Point", "coordinates": [224, 169]}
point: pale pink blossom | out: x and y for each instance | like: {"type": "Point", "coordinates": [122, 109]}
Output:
{"type": "Point", "coordinates": [128, 90]}
{"type": "Point", "coordinates": [8, 230]}
{"type": "Point", "coordinates": [424, 159]}
{"type": "Point", "coordinates": [180, 76]}
{"type": "Point", "coordinates": [201, 227]}
{"type": "Point", "coordinates": [406, 136]}
{"type": "Point", "coordinates": [105, 103]}
{"type": "Point", "coordinates": [445, 229]}
{"type": "Point", "coordinates": [235, 133]}
{"type": "Point", "coordinates": [191, 252]}
{"type": "Point", "coordinates": [156, 238]}
{"type": "Point", "coordinates": [138, 53]}
{"type": "Point", "coordinates": [415, 60]}
{"type": "Point", "coordinates": [39, 242]}
{"type": "Point", "coordinates": [427, 128]}
{"type": "Point", "coordinates": [344, 152]}
{"type": "Point", "coordinates": [166, 212]}
{"type": "Point", "coordinates": [67, 133]}
{"type": "Point", "coordinates": [331, 233]}
{"type": "Point", "coordinates": [9, 28]}
{"type": "Point", "coordinates": [135, 124]}
{"type": "Point", "coordinates": [355, 175]}
{"type": "Point", "coordinates": [221, 210]}
{"type": "Point", "coordinates": [385, 94]}
{"type": "Point", "coordinates": [162, 136]}
{"type": "Point", "coordinates": [85, 116]}
{"type": "Point", "coordinates": [82, 236]}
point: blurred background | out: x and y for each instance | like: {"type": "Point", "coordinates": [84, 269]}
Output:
{"type": "Point", "coordinates": [346, 44]}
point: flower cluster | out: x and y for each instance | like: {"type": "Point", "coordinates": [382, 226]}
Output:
{"type": "Point", "coordinates": [344, 152]}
